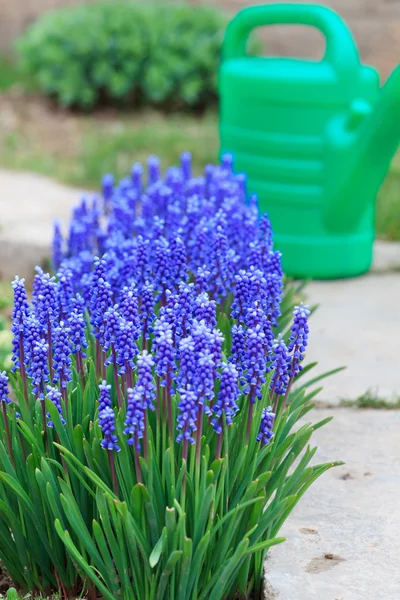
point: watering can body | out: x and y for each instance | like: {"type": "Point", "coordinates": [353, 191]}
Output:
{"type": "Point", "coordinates": [274, 118]}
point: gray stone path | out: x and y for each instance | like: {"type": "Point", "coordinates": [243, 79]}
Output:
{"type": "Point", "coordinates": [357, 325]}
{"type": "Point", "coordinates": [29, 204]}
{"type": "Point", "coordinates": [342, 539]}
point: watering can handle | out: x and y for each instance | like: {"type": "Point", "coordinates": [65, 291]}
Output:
{"type": "Point", "coordinates": [341, 50]}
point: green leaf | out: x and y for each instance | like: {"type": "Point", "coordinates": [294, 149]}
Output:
{"type": "Point", "coordinates": [156, 552]}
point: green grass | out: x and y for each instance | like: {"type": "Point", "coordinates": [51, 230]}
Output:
{"type": "Point", "coordinates": [11, 74]}
{"type": "Point", "coordinates": [370, 399]}
{"type": "Point", "coordinates": [388, 205]}
{"type": "Point", "coordinates": [111, 144]}
{"type": "Point", "coordinates": [12, 594]}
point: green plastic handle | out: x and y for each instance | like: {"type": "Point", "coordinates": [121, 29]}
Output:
{"type": "Point", "coordinates": [341, 50]}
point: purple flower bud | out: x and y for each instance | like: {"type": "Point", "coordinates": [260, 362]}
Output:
{"type": "Point", "coordinates": [107, 184]}
{"type": "Point", "coordinates": [45, 297]}
{"type": "Point", "coordinates": [39, 370]}
{"type": "Point", "coordinates": [65, 292]}
{"type": "Point", "coordinates": [241, 296]}
{"type": "Point", "coordinates": [4, 391]}
{"type": "Point", "coordinates": [227, 397]}
{"type": "Point", "coordinates": [20, 315]}
{"type": "Point", "coordinates": [164, 350]}
{"type": "Point", "coordinates": [238, 349]}
{"type": "Point", "coordinates": [104, 398]}
{"type": "Point", "coordinates": [54, 395]}
{"type": "Point", "coordinates": [129, 306]}
{"type": "Point", "coordinates": [255, 362]}
{"type": "Point", "coordinates": [110, 328]}
{"type": "Point", "coordinates": [186, 164]}
{"type": "Point", "coordinates": [134, 421]}
{"type": "Point", "coordinates": [77, 329]}
{"type": "Point", "coordinates": [33, 333]}
{"type": "Point", "coordinates": [147, 314]}
{"type": "Point", "coordinates": [266, 425]}
{"type": "Point", "coordinates": [101, 301]}
{"type": "Point", "coordinates": [186, 420]}
{"type": "Point", "coordinates": [153, 167]}
{"type": "Point", "coordinates": [57, 247]}
{"type": "Point", "coordinates": [62, 351]}
{"type": "Point", "coordinates": [202, 279]}
{"type": "Point", "coordinates": [107, 424]}
{"type": "Point", "coordinates": [179, 261]}
{"type": "Point", "coordinates": [136, 176]}
{"type": "Point", "coordinates": [298, 337]}
{"type": "Point", "coordinates": [204, 379]}
{"type": "Point", "coordinates": [205, 310]}
{"type": "Point", "coordinates": [187, 363]}
{"type": "Point", "coordinates": [145, 381]}
{"type": "Point", "coordinates": [126, 346]}
{"type": "Point", "coordinates": [280, 365]}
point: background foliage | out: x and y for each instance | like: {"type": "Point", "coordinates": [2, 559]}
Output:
{"type": "Point", "coordinates": [118, 51]}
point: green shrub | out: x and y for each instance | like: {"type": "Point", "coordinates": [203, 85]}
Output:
{"type": "Point", "coordinates": [118, 51]}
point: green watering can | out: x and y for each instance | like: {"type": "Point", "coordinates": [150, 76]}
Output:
{"type": "Point", "coordinates": [314, 138]}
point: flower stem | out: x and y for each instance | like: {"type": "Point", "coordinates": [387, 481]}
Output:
{"type": "Point", "coordinates": [184, 459]}
{"type": "Point", "coordinates": [137, 464]}
{"type": "Point", "coordinates": [7, 426]}
{"type": "Point", "coordinates": [22, 367]}
{"type": "Point", "coordinates": [199, 435]}
{"type": "Point", "coordinates": [79, 366]}
{"type": "Point", "coordinates": [116, 379]}
{"type": "Point", "coordinates": [250, 413]}
{"type": "Point", "coordinates": [219, 446]}
{"type": "Point", "coordinates": [145, 439]}
{"type": "Point", "coordinates": [50, 350]}
{"type": "Point", "coordinates": [169, 402]}
{"type": "Point", "coordinates": [98, 357]}
{"type": "Point", "coordinates": [158, 422]}
{"type": "Point", "coordinates": [113, 473]}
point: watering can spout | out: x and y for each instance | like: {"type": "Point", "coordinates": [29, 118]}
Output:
{"type": "Point", "coordinates": [360, 146]}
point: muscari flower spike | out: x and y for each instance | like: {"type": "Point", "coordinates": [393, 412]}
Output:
{"type": "Point", "coordinates": [39, 370]}
{"type": "Point", "coordinates": [145, 381]}
{"type": "Point", "coordinates": [104, 398]}
{"type": "Point", "coordinates": [20, 315]}
{"type": "Point", "coordinates": [186, 420]}
{"type": "Point", "coordinates": [298, 338]}
{"type": "Point", "coordinates": [267, 421]}
{"type": "Point", "coordinates": [57, 246]}
{"type": "Point", "coordinates": [227, 397]}
{"type": "Point", "coordinates": [62, 351]}
{"type": "Point", "coordinates": [107, 425]}
{"type": "Point", "coordinates": [134, 421]}
{"type": "Point", "coordinates": [77, 331]}
{"type": "Point", "coordinates": [54, 395]}
{"type": "Point", "coordinates": [4, 391]}
{"type": "Point", "coordinates": [280, 365]}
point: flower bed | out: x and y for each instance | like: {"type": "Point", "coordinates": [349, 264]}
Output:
{"type": "Point", "coordinates": [152, 448]}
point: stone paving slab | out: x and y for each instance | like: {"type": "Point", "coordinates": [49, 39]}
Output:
{"type": "Point", "coordinates": [342, 539]}
{"type": "Point", "coordinates": [29, 204]}
{"type": "Point", "coordinates": [356, 325]}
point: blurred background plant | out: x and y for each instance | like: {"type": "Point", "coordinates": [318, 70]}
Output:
{"type": "Point", "coordinates": [114, 52]}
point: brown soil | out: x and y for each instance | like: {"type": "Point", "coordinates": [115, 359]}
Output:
{"type": "Point", "coordinates": [5, 582]}
{"type": "Point", "coordinates": [36, 118]}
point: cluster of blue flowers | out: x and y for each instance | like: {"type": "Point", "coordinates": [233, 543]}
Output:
{"type": "Point", "coordinates": [144, 276]}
